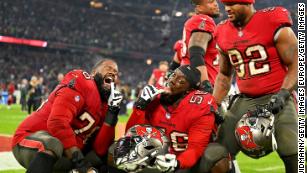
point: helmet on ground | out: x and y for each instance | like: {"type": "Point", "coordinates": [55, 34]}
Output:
{"type": "Point", "coordinates": [138, 148]}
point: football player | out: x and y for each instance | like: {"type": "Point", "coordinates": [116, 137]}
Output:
{"type": "Point", "coordinates": [198, 46]}
{"type": "Point", "coordinates": [158, 75]}
{"type": "Point", "coordinates": [187, 117]}
{"type": "Point", "coordinates": [265, 61]}
{"type": "Point", "coordinates": [75, 126]}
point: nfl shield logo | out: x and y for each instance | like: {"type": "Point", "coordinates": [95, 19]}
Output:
{"type": "Point", "coordinates": [168, 115]}
{"type": "Point", "coordinates": [77, 98]}
{"type": "Point", "coordinates": [240, 33]}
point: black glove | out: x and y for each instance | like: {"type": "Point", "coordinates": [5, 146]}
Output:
{"type": "Point", "coordinates": [80, 165]}
{"type": "Point", "coordinates": [278, 100]}
{"type": "Point", "coordinates": [206, 86]}
{"type": "Point", "coordinates": [149, 92]}
{"type": "Point", "coordinates": [219, 118]}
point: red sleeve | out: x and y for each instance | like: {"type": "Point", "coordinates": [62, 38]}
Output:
{"type": "Point", "coordinates": [178, 48]}
{"type": "Point", "coordinates": [199, 137]}
{"type": "Point", "coordinates": [137, 117]}
{"type": "Point", "coordinates": [202, 23]}
{"type": "Point", "coordinates": [177, 45]}
{"type": "Point", "coordinates": [104, 139]}
{"type": "Point", "coordinates": [279, 17]}
{"type": "Point", "coordinates": [65, 107]}
{"type": "Point", "coordinates": [155, 72]}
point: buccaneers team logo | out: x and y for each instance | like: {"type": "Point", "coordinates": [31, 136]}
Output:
{"type": "Point", "coordinates": [246, 137]}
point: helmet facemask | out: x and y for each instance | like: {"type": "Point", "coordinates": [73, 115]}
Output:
{"type": "Point", "coordinates": [138, 148]}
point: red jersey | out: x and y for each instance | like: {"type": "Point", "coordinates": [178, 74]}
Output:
{"type": "Point", "coordinates": [72, 113]}
{"type": "Point", "coordinates": [159, 78]}
{"type": "Point", "coordinates": [189, 126]}
{"type": "Point", "coordinates": [180, 49]}
{"type": "Point", "coordinates": [253, 53]}
{"type": "Point", "coordinates": [202, 23]}
{"type": "Point", "coordinates": [11, 88]}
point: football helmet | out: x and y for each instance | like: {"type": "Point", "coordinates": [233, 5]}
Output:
{"type": "Point", "coordinates": [255, 132]}
{"type": "Point", "coordinates": [139, 147]}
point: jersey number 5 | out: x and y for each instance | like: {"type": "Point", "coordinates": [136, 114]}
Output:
{"type": "Point", "coordinates": [258, 55]}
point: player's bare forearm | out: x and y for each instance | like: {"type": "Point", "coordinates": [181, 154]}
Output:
{"type": "Point", "coordinates": [223, 79]}
{"type": "Point", "coordinates": [286, 45]}
{"type": "Point", "coordinates": [291, 78]}
{"type": "Point", "coordinates": [221, 87]}
{"type": "Point", "coordinates": [200, 39]}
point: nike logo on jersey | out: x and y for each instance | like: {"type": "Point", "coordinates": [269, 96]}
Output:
{"type": "Point", "coordinates": [209, 102]}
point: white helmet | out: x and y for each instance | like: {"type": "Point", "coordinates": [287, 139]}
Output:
{"type": "Point", "coordinates": [138, 148]}
{"type": "Point", "coordinates": [255, 132]}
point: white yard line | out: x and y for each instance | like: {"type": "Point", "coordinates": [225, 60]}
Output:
{"type": "Point", "coordinates": [269, 168]}
{"type": "Point", "coordinates": [8, 161]}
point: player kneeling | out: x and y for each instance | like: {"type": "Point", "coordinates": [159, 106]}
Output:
{"type": "Point", "coordinates": [187, 116]}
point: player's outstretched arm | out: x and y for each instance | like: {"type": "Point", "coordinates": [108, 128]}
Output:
{"type": "Point", "coordinates": [223, 79]}
{"type": "Point", "coordinates": [106, 133]}
{"type": "Point", "coordinates": [286, 45]}
{"type": "Point", "coordinates": [197, 50]}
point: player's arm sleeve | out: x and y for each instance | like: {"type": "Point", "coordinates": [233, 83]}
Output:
{"type": "Point", "coordinates": [104, 139]}
{"type": "Point", "coordinates": [137, 117]}
{"type": "Point", "coordinates": [178, 48]}
{"type": "Point", "coordinates": [65, 107]}
{"type": "Point", "coordinates": [279, 18]}
{"type": "Point", "coordinates": [202, 24]}
{"type": "Point", "coordinates": [199, 138]}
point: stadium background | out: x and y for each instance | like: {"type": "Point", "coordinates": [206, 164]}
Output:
{"type": "Point", "coordinates": [76, 33]}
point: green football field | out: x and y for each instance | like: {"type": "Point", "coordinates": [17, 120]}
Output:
{"type": "Point", "coordinates": [10, 118]}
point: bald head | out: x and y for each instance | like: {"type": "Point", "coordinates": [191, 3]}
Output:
{"type": "Point", "coordinates": [104, 63]}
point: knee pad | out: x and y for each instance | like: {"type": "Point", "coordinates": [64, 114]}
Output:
{"type": "Point", "coordinates": [221, 166]}
{"type": "Point", "coordinates": [213, 153]}
{"type": "Point", "coordinates": [50, 143]}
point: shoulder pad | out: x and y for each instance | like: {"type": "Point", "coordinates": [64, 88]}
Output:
{"type": "Point", "coordinates": [277, 16]}
{"type": "Point", "coordinates": [267, 9]}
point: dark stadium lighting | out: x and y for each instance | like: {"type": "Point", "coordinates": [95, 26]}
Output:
{"type": "Point", "coordinates": [157, 11]}
{"type": "Point", "coordinates": [96, 4]}
{"type": "Point", "coordinates": [149, 61]}
{"type": "Point", "coordinates": [178, 13]}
